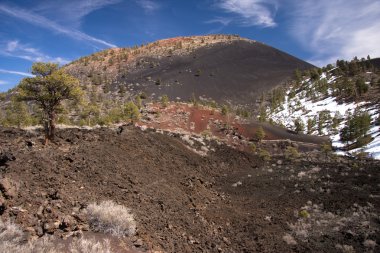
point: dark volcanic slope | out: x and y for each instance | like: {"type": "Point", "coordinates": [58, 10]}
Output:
{"type": "Point", "coordinates": [239, 71]}
{"type": "Point", "coordinates": [223, 68]}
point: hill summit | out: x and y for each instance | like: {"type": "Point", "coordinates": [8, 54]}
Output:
{"type": "Point", "coordinates": [223, 68]}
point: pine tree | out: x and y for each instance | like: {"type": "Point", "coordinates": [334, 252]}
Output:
{"type": "Point", "coordinates": [361, 86]}
{"type": "Point", "coordinates": [48, 89]}
{"type": "Point", "coordinates": [260, 134]}
{"type": "Point", "coordinates": [299, 125]}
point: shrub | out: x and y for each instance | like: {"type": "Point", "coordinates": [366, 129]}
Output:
{"type": "Point", "coordinates": [253, 147]}
{"type": "Point", "coordinates": [164, 101]}
{"type": "Point", "coordinates": [264, 155]}
{"type": "Point", "coordinates": [110, 218]}
{"type": "Point", "coordinates": [326, 149]}
{"type": "Point", "coordinates": [260, 134]}
{"type": "Point", "coordinates": [291, 153]}
{"type": "Point", "coordinates": [224, 110]}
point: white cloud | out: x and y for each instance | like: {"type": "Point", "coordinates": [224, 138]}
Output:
{"type": "Point", "coordinates": [220, 20]}
{"type": "Point", "coordinates": [337, 29]}
{"type": "Point", "coordinates": [148, 5]}
{"type": "Point", "coordinates": [251, 12]}
{"type": "Point", "coordinates": [71, 11]}
{"type": "Point", "coordinates": [15, 49]}
{"type": "Point", "coordinates": [41, 21]}
{"type": "Point", "coordinates": [15, 72]}
{"type": "Point", "coordinates": [2, 82]}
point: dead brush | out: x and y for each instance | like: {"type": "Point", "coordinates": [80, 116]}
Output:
{"type": "Point", "coordinates": [110, 218]}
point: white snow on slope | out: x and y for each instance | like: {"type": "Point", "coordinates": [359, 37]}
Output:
{"type": "Point", "coordinates": [303, 108]}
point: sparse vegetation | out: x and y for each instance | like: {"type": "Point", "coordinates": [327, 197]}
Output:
{"type": "Point", "coordinates": [110, 218]}
{"type": "Point", "coordinates": [164, 101]}
{"type": "Point", "coordinates": [260, 134]}
{"type": "Point", "coordinates": [291, 153]}
{"type": "Point", "coordinates": [264, 154]}
{"type": "Point", "coordinates": [13, 239]}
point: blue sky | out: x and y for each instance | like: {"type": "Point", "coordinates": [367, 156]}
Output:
{"type": "Point", "coordinates": [318, 31]}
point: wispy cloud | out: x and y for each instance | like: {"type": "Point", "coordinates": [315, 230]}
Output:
{"type": "Point", "coordinates": [2, 82]}
{"type": "Point", "coordinates": [15, 49]}
{"type": "Point", "coordinates": [15, 72]}
{"type": "Point", "coordinates": [41, 21]}
{"type": "Point", "coordinates": [250, 12]}
{"type": "Point", "coordinates": [148, 5]}
{"type": "Point", "coordinates": [220, 20]}
{"type": "Point", "coordinates": [71, 11]}
{"type": "Point", "coordinates": [337, 29]}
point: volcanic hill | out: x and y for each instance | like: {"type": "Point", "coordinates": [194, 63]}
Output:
{"type": "Point", "coordinates": [224, 68]}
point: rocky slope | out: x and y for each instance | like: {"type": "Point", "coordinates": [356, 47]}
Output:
{"type": "Point", "coordinates": [226, 201]}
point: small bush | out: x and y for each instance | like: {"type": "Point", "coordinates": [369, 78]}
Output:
{"type": "Point", "coordinates": [110, 218]}
{"type": "Point", "coordinates": [291, 153]}
{"type": "Point", "coordinates": [260, 134]}
{"type": "Point", "coordinates": [264, 155]}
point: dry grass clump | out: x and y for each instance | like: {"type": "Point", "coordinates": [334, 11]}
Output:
{"type": "Point", "coordinates": [111, 218]}
{"type": "Point", "coordinates": [90, 246]}
{"type": "Point", "coordinates": [13, 240]}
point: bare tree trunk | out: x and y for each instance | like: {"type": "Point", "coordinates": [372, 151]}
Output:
{"type": "Point", "coordinates": [51, 125]}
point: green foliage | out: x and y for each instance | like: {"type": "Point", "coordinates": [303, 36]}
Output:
{"type": "Point", "coordinates": [356, 126]}
{"type": "Point", "coordinates": [264, 155]}
{"type": "Point", "coordinates": [253, 147]}
{"type": "Point", "coordinates": [277, 97]}
{"type": "Point", "coordinates": [323, 118]}
{"type": "Point", "coordinates": [3, 96]}
{"type": "Point", "coordinates": [361, 86]}
{"type": "Point", "coordinates": [326, 148]}
{"type": "Point", "coordinates": [16, 114]}
{"type": "Point", "coordinates": [314, 74]}
{"type": "Point", "coordinates": [260, 134]}
{"type": "Point", "coordinates": [225, 110]}
{"type": "Point", "coordinates": [299, 126]}
{"type": "Point", "coordinates": [304, 214]}
{"type": "Point", "coordinates": [363, 140]}
{"type": "Point", "coordinates": [291, 153]}
{"type": "Point", "coordinates": [311, 123]}
{"type": "Point", "coordinates": [48, 89]}
{"type": "Point", "coordinates": [298, 75]}
{"type": "Point", "coordinates": [164, 101]}
{"type": "Point", "coordinates": [263, 114]}
{"type": "Point", "coordinates": [131, 112]}
{"type": "Point", "coordinates": [138, 101]}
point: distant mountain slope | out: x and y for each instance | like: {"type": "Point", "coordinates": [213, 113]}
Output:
{"type": "Point", "coordinates": [218, 67]}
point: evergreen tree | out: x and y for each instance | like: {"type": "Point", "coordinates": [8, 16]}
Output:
{"type": "Point", "coordinates": [361, 86]}
{"type": "Point", "coordinates": [356, 126]}
{"type": "Point", "coordinates": [260, 134]}
{"type": "Point", "coordinates": [311, 122]}
{"type": "Point", "coordinates": [48, 89]}
{"type": "Point", "coordinates": [299, 126]}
